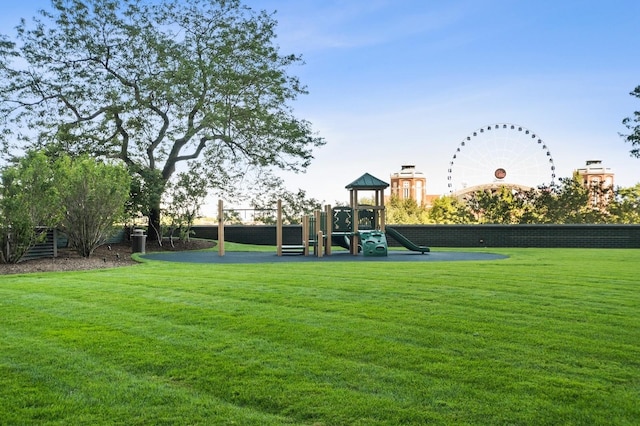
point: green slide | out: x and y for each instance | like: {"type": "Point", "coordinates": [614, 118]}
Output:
{"type": "Point", "coordinates": [341, 240]}
{"type": "Point", "coordinates": [406, 243]}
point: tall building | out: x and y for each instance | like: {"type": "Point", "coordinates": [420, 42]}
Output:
{"type": "Point", "coordinates": [598, 177]}
{"type": "Point", "coordinates": [409, 183]}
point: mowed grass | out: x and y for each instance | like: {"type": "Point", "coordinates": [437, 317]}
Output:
{"type": "Point", "coordinates": [545, 337]}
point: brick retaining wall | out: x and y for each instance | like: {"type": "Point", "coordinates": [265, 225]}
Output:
{"type": "Point", "coordinates": [592, 236]}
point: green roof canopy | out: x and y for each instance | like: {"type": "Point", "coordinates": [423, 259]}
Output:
{"type": "Point", "coordinates": [367, 182]}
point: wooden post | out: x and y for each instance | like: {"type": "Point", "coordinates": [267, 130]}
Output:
{"type": "Point", "coordinates": [55, 242]}
{"type": "Point", "coordinates": [220, 228]}
{"type": "Point", "coordinates": [319, 241]}
{"type": "Point", "coordinates": [318, 231]}
{"type": "Point", "coordinates": [328, 228]}
{"type": "Point", "coordinates": [383, 218]}
{"type": "Point", "coordinates": [305, 234]}
{"type": "Point", "coordinates": [279, 229]}
{"type": "Point", "coordinates": [355, 220]}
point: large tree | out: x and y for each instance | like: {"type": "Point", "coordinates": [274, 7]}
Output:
{"type": "Point", "coordinates": [156, 84]}
{"type": "Point", "coordinates": [633, 124]}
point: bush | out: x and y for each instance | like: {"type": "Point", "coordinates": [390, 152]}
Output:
{"type": "Point", "coordinates": [94, 195]}
{"type": "Point", "coordinates": [28, 198]}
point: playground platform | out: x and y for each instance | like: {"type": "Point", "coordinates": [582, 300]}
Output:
{"type": "Point", "coordinates": [239, 257]}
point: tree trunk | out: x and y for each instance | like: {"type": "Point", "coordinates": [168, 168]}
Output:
{"type": "Point", "coordinates": [154, 233]}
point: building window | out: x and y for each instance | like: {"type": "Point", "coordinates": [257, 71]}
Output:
{"type": "Point", "coordinates": [406, 190]}
{"type": "Point", "coordinates": [419, 193]}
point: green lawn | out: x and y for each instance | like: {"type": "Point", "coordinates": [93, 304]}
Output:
{"type": "Point", "coordinates": [544, 337]}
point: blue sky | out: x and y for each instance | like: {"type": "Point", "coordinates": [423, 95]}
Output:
{"type": "Point", "coordinates": [395, 82]}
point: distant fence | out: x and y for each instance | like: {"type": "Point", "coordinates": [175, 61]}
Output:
{"type": "Point", "coordinates": [56, 239]}
{"type": "Point", "coordinates": [588, 236]}
{"type": "Point", "coordinates": [251, 234]}
{"type": "Point", "coordinates": [46, 248]}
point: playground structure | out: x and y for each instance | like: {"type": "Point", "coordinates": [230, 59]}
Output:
{"type": "Point", "coordinates": [357, 228]}
{"type": "Point", "coordinates": [316, 231]}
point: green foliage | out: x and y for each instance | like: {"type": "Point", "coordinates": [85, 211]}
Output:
{"type": "Point", "coordinates": [626, 207]}
{"type": "Point", "coordinates": [157, 84]}
{"type": "Point", "coordinates": [186, 196]}
{"type": "Point", "coordinates": [81, 196]}
{"type": "Point", "coordinates": [503, 206]}
{"type": "Point", "coordinates": [232, 217]}
{"type": "Point", "coordinates": [28, 200]}
{"type": "Point", "coordinates": [450, 210]}
{"type": "Point", "coordinates": [94, 195]}
{"type": "Point", "coordinates": [572, 201]}
{"type": "Point", "coordinates": [405, 211]}
{"type": "Point", "coordinates": [547, 336]}
{"type": "Point", "coordinates": [294, 205]}
{"type": "Point", "coordinates": [147, 186]}
{"type": "Point", "coordinates": [633, 124]}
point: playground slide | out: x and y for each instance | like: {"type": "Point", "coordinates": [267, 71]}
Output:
{"type": "Point", "coordinates": [407, 243]}
{"type": "Point", "coordinates": [341, 240]}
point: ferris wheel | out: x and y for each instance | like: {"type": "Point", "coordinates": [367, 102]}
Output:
{"type": "Point", "coordinates": [500, 155]}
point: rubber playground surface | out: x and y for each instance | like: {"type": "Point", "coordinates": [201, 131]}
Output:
{"type": "Point", "coordinates": [236, 257]}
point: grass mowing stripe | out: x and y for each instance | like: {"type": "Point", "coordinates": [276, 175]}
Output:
{"type": "Point", "coordinates": [112, 393]}
{"type": "Point", "coordinates": [473, 342]}
{"type": "Point", "coordinates": [320, 370]}
{"type": "Point", "coordinates": [249, 308]}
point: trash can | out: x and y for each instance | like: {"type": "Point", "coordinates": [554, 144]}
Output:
{"type": "Point", "coordinates": [374, 243]}
{"type": "Point", "coordinates": [138, 241]}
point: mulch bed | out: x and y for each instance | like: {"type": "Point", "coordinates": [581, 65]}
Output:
{"type": "Point", "coordinates": [106, 256]}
